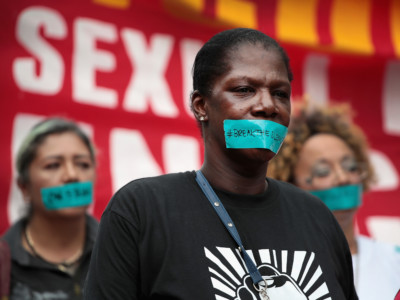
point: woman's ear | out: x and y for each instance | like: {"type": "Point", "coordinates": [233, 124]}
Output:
{"type": "Point", "coordinates": [24, 190]}
{"type": "Point", "coordinates": [199, 106]}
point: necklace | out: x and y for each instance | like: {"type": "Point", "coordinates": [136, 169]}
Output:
{"type": "Point", "coordinates": [65, 266]}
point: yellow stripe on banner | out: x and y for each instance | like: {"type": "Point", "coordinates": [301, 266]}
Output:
{"type": "Point", "coordinates": [350, 25]}
{"type": "Point", "coordinates": [241, 13]}
{"type": "Point", "coordinates": [196, 5]}
{"type": "Point", "coordinates": [120, 4]}
{"type": "Point", "coordinates": [297, 21]}
{"type": "Point", "coordinates": [395, 25]}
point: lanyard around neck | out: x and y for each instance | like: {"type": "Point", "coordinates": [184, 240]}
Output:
{"type": "Point", "coordinates": [227, 221]}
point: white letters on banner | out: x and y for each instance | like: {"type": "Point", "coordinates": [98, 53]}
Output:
{"type": "Point", "coordinates": [22, 124]}
{"type": "Point", "coordinates": [147, 88]}
{"type": "Point", "coordinates": [315, 78]}
{"type": "Point", "coordinates": [189, 49]}
{"type": "Point", "coordinates": [180, 153]}
{"type": "Point", "coordinates": [384, 228]}
{"type": "Point", "coordinates": [391, 98]}
{"type": "Point", "coordinates": [148, 85]}
{"type": "Point", "coordinates": [131, 158]}
{"type": "Point", "coordinates": [50, 78]}
{"type": "Point", "coordinates": [87, 60]}
{"type": "Point", "coordinates": [386, 173]}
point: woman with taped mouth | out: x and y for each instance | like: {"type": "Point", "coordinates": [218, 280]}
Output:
{"type": "Point", "coordinates": [51, 246]}
{"type": "Point", "coordinates": [326, 154]}
{"type": "Point", "coordinates": [224, 231]}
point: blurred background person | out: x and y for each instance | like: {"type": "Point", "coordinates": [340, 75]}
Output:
{"type": "Point", "coordinates": [51, 245]}
{"type": "Point", "coordinates": [327, 154]}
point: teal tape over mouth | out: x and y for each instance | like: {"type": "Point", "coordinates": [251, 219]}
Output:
{"type": "Point", "coordinates": [247, 134]}
{"type": "Point", "coordinates": [341, 197]}
{"type": "Point", "coordinates": [68, 195]}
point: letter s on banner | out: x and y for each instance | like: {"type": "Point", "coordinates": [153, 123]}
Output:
{"type": "Point", "coordinates": [51, 77]}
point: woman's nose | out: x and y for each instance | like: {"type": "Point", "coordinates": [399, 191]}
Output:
{"type": "Point", "coordinates": [265, 105]}
{"type": "Point", "coordinates": [70, 172]}
{"type": "Point", "coordinates": [342, 177]}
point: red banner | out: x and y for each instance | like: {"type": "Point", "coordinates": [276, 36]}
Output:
{"type": "Point", "coordinates": [122, 69]}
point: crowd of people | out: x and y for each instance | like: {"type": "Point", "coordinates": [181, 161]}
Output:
{"type": "Point", "coordinates": [268, 215]}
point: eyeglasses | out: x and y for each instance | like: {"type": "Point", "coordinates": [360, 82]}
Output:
{"type": "Point", "coordinates": [325, 171]}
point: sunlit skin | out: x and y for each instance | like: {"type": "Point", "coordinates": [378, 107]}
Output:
{"type": "Point", "coordinates": [330, 150]}
{"type": "Point", "coordinates": [256, 87]}
{"type": "Point", "coordinates": [62, 158]}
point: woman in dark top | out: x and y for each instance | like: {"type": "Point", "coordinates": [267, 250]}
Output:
{"type": "Point", "coordinates": [51, 246]}
{"type": "Point", "coordinates": [162, 237]}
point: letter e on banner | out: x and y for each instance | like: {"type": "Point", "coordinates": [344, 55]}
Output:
{"type": "Point", "coordinates": [87, 59]}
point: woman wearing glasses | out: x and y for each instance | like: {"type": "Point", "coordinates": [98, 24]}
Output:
{"type": "Point", "coordinates": [327, 155]}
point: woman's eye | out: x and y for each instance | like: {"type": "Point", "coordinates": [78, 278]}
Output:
{"type": "Point", "coordinates": [52, 166]}
{"type": "Point", "coordinates": [84, 165]}
{"type": "Point", "coordinates": [282, 94]}
{"type": "Point", "coordinates": [350, 166]}
{"type": "Point", "coordinates": [243, 90]}
{"type": "Point", "coordinates": [321, 172]}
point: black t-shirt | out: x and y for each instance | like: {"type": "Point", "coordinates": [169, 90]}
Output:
{"type": "Point", "coordinates": [160, 238]}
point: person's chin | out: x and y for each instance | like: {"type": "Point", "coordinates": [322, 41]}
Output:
{"type": "Point", "coordinates": [71, 212]}
{"type": "Point", "coordinates": [258, 154]}
{"type": "Point", "coordinates": [344, 217]}
{"type": "Point", "coordinates": [264, 153]}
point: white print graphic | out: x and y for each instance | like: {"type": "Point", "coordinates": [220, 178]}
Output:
{"type": "Point", "coordinates": [290, 275]}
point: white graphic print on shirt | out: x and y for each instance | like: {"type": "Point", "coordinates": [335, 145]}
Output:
{"type": "Point", "coordinates": [291, 275]}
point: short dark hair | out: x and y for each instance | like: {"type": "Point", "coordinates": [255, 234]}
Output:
{"type": "Point", "coordinates": [27, 151]}
{"type": "Point", "coordinates": [212, 59]}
